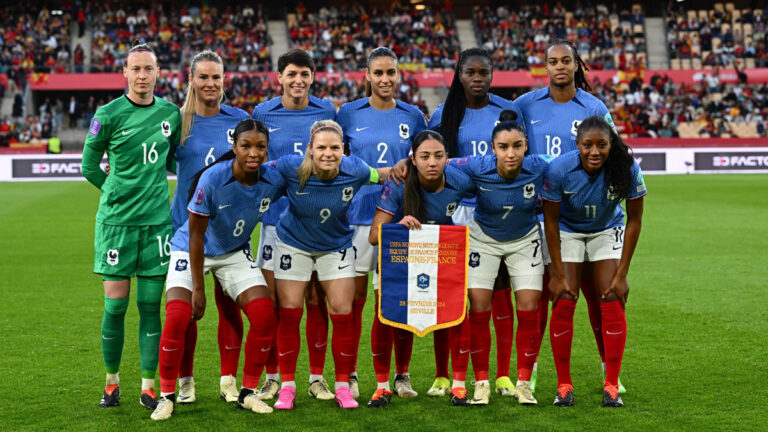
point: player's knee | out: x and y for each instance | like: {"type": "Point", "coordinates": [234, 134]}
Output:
{"type": "Point", "coordinates": [115, 306]}
{"type": "Point", "coordinates": [148, 309]}
{"type": "Point", "coordinates": [149, 289]}
{"type": "Point", "coordinates": [611, 297]}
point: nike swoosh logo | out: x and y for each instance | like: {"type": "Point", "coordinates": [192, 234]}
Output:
{"type": "Point", "coordinates": [317, 345]}
{"type": "Point", "coordinates": [503, 317]}
{"type": "Point", "coordinates": [231, 347]}
{"type": "Point", "coordinates": [108, 338]}
{"type": "Point", "coordinates": [163, 263]}
{"type": "Point", "coordinates": [475, 352]}
{"type": "Point", "coordinates": [302, 193]}
{"type": "Point", "coordinates": [535, 121]}
{"type": "Point", "coordinates": [170, 350]}
{"type": "Point", "coordinates": [560, 334]}
{"type": "Point", "coordinates": [285, 353]}
{"type": "Point", "coordinates": [272, 130]}
{"type": "Point", "coordinates": [617, 248]}
{"type": "Point", "coordinates": [224, 206]}
{"type": "Point", "coordinates": [568, 192]}
{"type": "Point", "coordinates": [361, 129]}
{"type": "Point", "coordinates": [266, 349]}
{"type": "Point", "coordinates": [461, 351]}
{"type": "Point", "coordinates": [343, 267]}
{"type": "Point", "coordinates": [485, 189]}
{"type": "Point", "coordinates": [377, 354]}
{"type": "Point", "coordinates": [152, 334]}
{"type": "Point", "coordinates": [127, 132]}
{"type": "Point", "coordinates": [347, 355]}
{"type": "Point", "coordinates": [254, 266]}
{"type": "Point", "coordinates": [613, 333]}
{"type": "Point", "coordinates": [530, 354]}
{"type": "Point", "coordinates": [534, 264]}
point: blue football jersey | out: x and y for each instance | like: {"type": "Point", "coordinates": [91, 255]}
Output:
{"type": "Point", "coordinates": [438, 206]}
{"type": "Point", "coordinates": [505, 208]}
{"type": "Point", "coordinates": [380, 138]}
{"type": "Point", "coordinates": [289, 134]}
{"type": "Point", "coordinates": [316, 219]}
{"type": "Point", "coordinates": [233, 209]}
{"type": "Point", "coordinates": [586, 204]}
{"type": "Point", "coordinates": [209, 138]}
{"type": "Point", "coordinates": [551, 126]}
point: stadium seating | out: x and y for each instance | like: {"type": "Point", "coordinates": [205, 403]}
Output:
{"type": "Point", "coordinates": [34, 39]}
{"type": "Point", "coordinates": [340, 38]}
{"type": "Point", "coordinates": [518, 37]}
{"type": "Point", "coordinates": [719, 36]}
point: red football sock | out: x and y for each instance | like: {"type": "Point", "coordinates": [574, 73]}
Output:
{"type": "Point", "coordinates": [316, 328]}
{"type": "Point", "coordinates": [381, 347]}
{"type": "Point", "coordinates": [271, 366]}
{"type": "Point", "coordinates": [543, 311]}
{"type": "Point", "coordinates": [357, 312]}
{"type": "Point", "coordinates": [442, 340]}
{"type": "Point", "coordinates": [177, 317]}
{"type": "Point", "coordinates": [480, 343]}
{"type": "Point", "coordinates": [261, 316]}
{"type": "Point", "coordinates": [460, 344]}
{"type": "Point", "coordinates": [403, 349]}
{"type": "Point", "coordinates": [527, 342]}
{"type": "Point", "coordinates": [504, 324]}
{"type": "Point", "coordinates": [615, 338]}
{"type": "Point", "coordinates": [288, 341]}
{"type": "Point", "coordinates": [230, 334]}
{"type": "Point", "coordinates": [561, 338]}
{"type": "Point", "coordinates": [343, 345]}
{"type": "Point", "coordinates": [595, 318]}
{"type": "Point", "coordinates": [190, 342]}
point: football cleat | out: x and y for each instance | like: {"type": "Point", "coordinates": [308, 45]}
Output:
{"type": "Point", "coordinates": [228, 389]}
{"type": "Point", "coordinates": [148, 399]}
{"type": "Point", "coordinates": [459, 396]}
{"type": "Point", "coordinates": [354, 386]}
{"type": "Point", "coordinates": [268, 390]}
{"type": "Point", "coordinates": [187, 392]}
{"type": "Point", "coordinates": [248, 400]}
{"type": "Point", "coordinates": [440, 387]}
{"type": "Point", "coordinates": [482, 394]}
{"type": "Point", "coordinates": [319, 390]}
{"type": "Point", "coordinates": [564, 396]}
{"type": "Point", "coordinates": [403, 387]}
{"type": "Point", "coordinates": [381, 398]}
{"type": "Point", "coordinates": [164, 408]}
{"type": "Point", "coordinates": [504, 386]}
{"type": "Point", "coordinates": [285, 398]}
{"type": "Point", "coordinates": [523, 393]}
{"type": "Point", "coordinates": [111, 397]}
{"type": "Point", "coordinates": [344, 398]}
{"type": "Point", "coordinates": [611, 397]}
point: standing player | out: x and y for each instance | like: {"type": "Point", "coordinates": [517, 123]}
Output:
{"type": "Point", "coordinates": [551, 116]}
{"type": "Point", "coordinates": [315, 234]}
{"type": "Point", "coordinates": [466, 120]}
{"type": "Point", "coordinates": [288, 119]}
{"type": "Point", "coordinates": [207, 132]}
{"type": "Point", "coordinates": [230, 196]}
{"type": "Point", "coordinates": [504, 229]}
{"type": "Point", "coordinates": [430, 194]}
{"type": "Point", "coordinates": [378, 130]}
{"type": "Point", "coordinates": [133, 225]}
{"type": "Point", "coordinates": [584, 221]}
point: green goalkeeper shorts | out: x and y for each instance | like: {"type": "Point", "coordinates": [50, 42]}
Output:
{"type": "Point", "coordinates": [132, 250]}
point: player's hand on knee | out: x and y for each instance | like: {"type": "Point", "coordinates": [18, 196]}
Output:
{"type": "Point", "coordinates": [559, 287]}
{"type": "Point", "coordinates": [618, 286]}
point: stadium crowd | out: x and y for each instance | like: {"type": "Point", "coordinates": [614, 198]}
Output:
{"type": "Point", "coordinates": [339, 38]}
{"type": "Point", "coordinates": [34, 39]}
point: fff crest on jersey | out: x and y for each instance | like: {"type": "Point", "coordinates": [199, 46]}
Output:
{"type": "Point", "coordinates": [450, 209]}
{"type": "Point", "coordinates": [347, 193]}
{"type": "Point", "coordinates": [266, 252]}
{"type": "Point", "coordinates": [529, 190]}
{"type": "Point", "coordinates": [231, 136]}
{"type": "Point", "coordinates": [264, 206]}
{"type": "Point", "coordinates": [474, 259]}
{"type": "Point", "coordinates": [285, 262]}
{"type": "Point", "coordinates": [611, 194]}
{"type": "Point", "coordinates": [113, 257]}
{"type": "Point", "coordinates": [422, 281]}
{"type": "Point", "coordinates": [405, 131]}
{"type": "Point", "coordinates": [574, 126]}
{"type": "Point", "coordinates": [165, 127]}
{"type": "Point", "coordinates": [181, 265]}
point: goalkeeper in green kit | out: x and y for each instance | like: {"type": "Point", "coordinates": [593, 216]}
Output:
{"type": "Point", "coordinates": [139, 133]}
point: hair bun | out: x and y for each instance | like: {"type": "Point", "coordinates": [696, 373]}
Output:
{"type": "Point", "coordinates": [507, 115]}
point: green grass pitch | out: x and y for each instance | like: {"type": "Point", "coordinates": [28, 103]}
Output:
{"type": "Point", "coordinates": [695, 356]}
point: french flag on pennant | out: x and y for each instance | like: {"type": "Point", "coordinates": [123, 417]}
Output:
{"type": "Point", "coordinates": [423, 276]}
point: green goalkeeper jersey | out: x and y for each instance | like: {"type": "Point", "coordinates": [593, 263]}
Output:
{"type": "Point", "coordinates": [140, 142]}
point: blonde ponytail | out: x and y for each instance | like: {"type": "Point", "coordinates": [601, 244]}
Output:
{"type": "Point", "coordinates": [189, 108]}
{"type": "Point", "coordinates": [305, 169]}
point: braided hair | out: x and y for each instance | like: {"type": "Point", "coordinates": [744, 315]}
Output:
{"type": "Point", "coordinates": [455, 102]}
{"type": "Point", "coordinates": [579, 78]}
